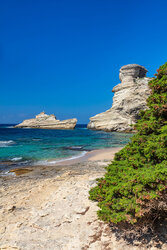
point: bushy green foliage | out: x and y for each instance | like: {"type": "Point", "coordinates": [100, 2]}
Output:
{"type": "Point", "coordinates": [136, 180]}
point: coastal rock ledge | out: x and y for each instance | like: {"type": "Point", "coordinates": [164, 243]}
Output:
{"type": "Point", "coordinates": [129, 98]}
{"type": "Point", "coordinates": [45, 121]}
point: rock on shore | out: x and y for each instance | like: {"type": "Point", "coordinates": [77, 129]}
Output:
{"type": "Point", "coordinates": [45, 121]}
{"type": "Point", "coordinates": [129, 98]}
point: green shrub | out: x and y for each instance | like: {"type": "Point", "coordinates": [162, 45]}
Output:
{"type": "Point", "coordinates": [135, 184]}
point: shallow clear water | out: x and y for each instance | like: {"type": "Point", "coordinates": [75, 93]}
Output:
{"type": "Point", "coordinates": [34, 146]}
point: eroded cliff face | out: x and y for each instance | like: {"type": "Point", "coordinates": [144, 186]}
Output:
{"type": "Point", "coordinates": [129, 98]}
{"type": "Point", "coordinates": [45, 121]}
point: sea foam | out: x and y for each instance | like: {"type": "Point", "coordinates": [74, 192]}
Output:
{"type": "Point", "coordinates": [6, 143]}
{"type": "Point", "coordinates": [47, 162]}
{"type": "Point", "coordinates": [16, 158]}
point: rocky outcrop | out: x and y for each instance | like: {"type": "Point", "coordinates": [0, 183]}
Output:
{"type": "Point", "coordinates": [45, 121]}
{"type": "Point", "coordinates": [129, 98]}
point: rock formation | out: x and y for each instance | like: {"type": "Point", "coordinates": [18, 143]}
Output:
{"type": "Point", "coordinates": [129, 98]}
{"type": "Point", "coordinates": [45, 121]}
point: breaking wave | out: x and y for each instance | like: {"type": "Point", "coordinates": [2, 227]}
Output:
{"type": "Point", "coordinates": [47, 162]}
{"type": "Point", "coordinates": [17, 159]}
{"type": "Point", "coordinates": [6, 143]}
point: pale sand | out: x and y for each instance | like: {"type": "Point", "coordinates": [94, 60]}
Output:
{"type": "Point", "coordinates": [102, 154]}
{"type": "Point", "coordinates": [106, 154]}
{"type": "Point", "coordinates": [48, 208]}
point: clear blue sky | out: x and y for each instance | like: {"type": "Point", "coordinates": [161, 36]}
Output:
{"type": "Point", "coordinates": [63, 56]}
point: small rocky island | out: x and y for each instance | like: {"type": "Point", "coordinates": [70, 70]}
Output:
{"type": "Point", "coordinates": [45, 121]}
{"type": "Point", "coordinates": [129, 98]}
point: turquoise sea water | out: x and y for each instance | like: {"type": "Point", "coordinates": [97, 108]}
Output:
{"type": "Point", "coordinates": [39, 146]}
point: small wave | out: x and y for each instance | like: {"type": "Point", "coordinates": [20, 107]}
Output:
{"type": "Point", "coordinates": [6, 143]}
{"type": "Point", "coordinates": [47, 162]}
{"type": "Point", "coordinates": [6, 126]}
{"type": "Point", "coordinates": [16, 158]}
{"type": "Point", "coordinates": [6, 173]}
{"type": "Point", "coordinates": [36, 139]}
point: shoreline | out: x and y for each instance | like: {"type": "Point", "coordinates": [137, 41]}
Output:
{"type": "Point", "coordinates": [104, 154]}
{"type": "Point", "coordinates": [51, 202]}
{"type": "Point", "coordinates": [49, 208]}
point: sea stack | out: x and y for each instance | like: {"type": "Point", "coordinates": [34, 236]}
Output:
{"type": "Point", "coordinates": [129, 98]}
{"type": "Point", "coordinates": [44, 121]}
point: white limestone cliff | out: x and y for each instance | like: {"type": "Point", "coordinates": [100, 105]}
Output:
{"type": "Point", "coordinates": [129, 98]}
{"type": "Point", "coordinates": [45, 121]}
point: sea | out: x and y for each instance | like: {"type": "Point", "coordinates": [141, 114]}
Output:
{"type": "Point", "coordinates": [25, 147]}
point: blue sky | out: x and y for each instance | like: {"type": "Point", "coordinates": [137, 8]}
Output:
{"type": "Point", "coordinates": [64, 56]}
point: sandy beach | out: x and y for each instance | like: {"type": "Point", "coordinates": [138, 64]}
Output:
{"type": "Point", "coordinates": [47, 207]}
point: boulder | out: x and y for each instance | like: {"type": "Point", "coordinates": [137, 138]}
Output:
{"type": "Point", "coordinates": [129, 98]}
{"type": "Point", "coordinates": [45, 121]}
